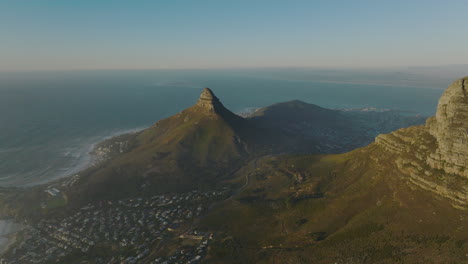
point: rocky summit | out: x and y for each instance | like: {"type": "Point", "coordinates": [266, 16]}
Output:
{"type": "Point", "coordinates": [435, 156]}
{"type": "Point", "coordinates": [209, 101]}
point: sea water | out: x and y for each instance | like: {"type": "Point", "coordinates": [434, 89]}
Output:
{"type": "Point", "coordinates": [49, 121]}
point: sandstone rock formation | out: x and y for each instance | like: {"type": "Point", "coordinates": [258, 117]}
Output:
{"type": "Point", "coordinates": [209, 101]}
{"type": "Point", "coordinates": [450, 128]}
{"type": "Point", "coordinates": [435, 157]}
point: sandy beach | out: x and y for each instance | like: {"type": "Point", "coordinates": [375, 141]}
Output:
{"type": "Point", "coordinates": [8, 230]}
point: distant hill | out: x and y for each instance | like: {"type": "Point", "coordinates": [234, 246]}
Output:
{"type": "Point", "coordinates": [313, 129]}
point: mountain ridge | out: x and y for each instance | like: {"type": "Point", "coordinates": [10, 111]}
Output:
{"type": "Point", "coordinates": [380, 203]}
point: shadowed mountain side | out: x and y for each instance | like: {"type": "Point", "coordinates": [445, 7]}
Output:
{"type": "Point", "coordinates": [305, 125]}
{"type": "Point", "coordinates": [310, 129]}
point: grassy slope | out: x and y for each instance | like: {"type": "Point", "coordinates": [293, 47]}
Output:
{"type": "Point", "coordinates": [190, 148]}
{"type": "Point", "coordinates": [367, 214]}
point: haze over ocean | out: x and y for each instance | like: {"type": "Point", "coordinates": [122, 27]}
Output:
{"type": "Point", "coordinates": [50, 120]}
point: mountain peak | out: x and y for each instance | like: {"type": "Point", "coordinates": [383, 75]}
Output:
{"type": "Point", "coordinates": [208, 100]}
{"type": "Point", "coordinates": [207, 93]}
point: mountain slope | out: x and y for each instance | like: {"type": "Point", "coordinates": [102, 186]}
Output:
{"type": "Point", "coordinates": [205, 144]}
{"type": "Point", "coordinates": [346, 208]}
{"type": "Point", "coordinates": [191, 148]}
{"type": "Point", "coordinates": [401, 199]}
{"type": "Point", "coordinates": [389, 202]}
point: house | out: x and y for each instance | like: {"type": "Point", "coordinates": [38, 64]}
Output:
{"type": "Point", "coordinates": [53, 191]}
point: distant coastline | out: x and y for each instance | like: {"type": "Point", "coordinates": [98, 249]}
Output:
{"type": "Point", "coordinates": [86, 160]}
{"type": "Point", "coordinates": [8, 232]}
{"type": "Point", "coordinates": [69, 112]}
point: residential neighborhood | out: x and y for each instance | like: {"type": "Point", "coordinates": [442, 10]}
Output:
{"type": "Point", "coordinates": [132, 229]}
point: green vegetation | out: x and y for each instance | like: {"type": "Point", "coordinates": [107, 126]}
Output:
{"type": "Point", "coordinates": [364, 216]}
{"type": "Point", "coordinates": [55, 202]}
{"type": "Point", "coordinates": [344, 208]}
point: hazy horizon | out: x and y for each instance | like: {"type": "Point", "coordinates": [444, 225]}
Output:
{"type": "Point", "coordinates": [101, 35]}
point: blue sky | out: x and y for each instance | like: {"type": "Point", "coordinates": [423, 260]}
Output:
{"type": "Point", "coordinates": [93, 34]}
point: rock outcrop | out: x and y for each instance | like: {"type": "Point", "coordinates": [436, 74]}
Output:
{"type": "Point", "coordinates": [435, 156]}
{"type": "Point", "coordinates": [450, 128]}
{"type": "Point", "coordinates": [209, 101]}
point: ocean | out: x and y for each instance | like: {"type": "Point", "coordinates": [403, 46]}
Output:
{"type": "Point", "coordinates": [50, 120]}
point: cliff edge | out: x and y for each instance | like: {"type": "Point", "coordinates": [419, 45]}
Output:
{"type": "Point", "coordinates": [435, 156]}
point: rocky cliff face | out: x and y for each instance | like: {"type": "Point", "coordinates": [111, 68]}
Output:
{"type": "Point", "coordinates": [435, 157]}
{"type": "Point", "coordinates": [450, 128]}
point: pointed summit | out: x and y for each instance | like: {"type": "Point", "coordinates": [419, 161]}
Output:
{"type": "Point", "coordinates": [207, 94]}
{"type": "Point", "coordinates": [209, 101]}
